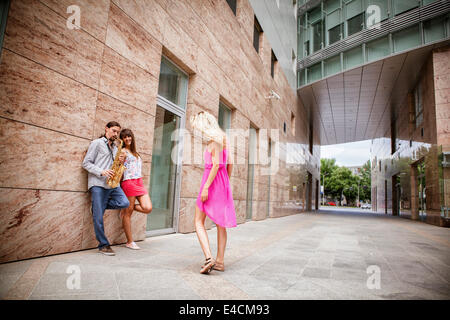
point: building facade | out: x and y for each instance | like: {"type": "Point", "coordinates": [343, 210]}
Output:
{"type": "Point", "coordinates": [378, 69]}
{"type": "Point", "coordinates": [69, 67]}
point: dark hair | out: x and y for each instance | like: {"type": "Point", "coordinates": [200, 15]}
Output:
{"type": "Point", "coordinates": [109, 125]}
{"type": "Point", "coordinates": [128, 133]}
{"type": "Point", "coordinates": [113, 124]}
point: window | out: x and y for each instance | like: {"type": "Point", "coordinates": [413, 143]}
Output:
{"type": "Point", "coordinates": [314, 72]}
{"type": "Point", "coordinates": [4, 5]}
{"type": "Point", "coordinates": [377, 49]}
{"type": "Point", "coordinates": [335, 34]}
{"type": "Point", "coordinates": [434, 29]}
{"type": "Point", "coordinates": [332, 65]}
{"type": "Point", "coordinates": [224, 117]}
{"type": "Point", "coordinates": [353, 57]}
{"type": "Point", "coordinates": [418, 106]}
{"type": "Point", "coordinates": [333, 23]}
{"type": "Point", "coordinates": [257, 30]}
{"type": "Point", "coordinates": [272, 64]}
{"type": "Point", "coordinates": [384, 8]}
{"type": "Point", "coordinates": [401, 6]}
{"type": "Point", "coordinates": [306, 47]}
{"type": "Point", "coordinates": [232, 4]}
{"type": "Point", "coordinates": [172, 83]}
{"type": "Point", "coordinates": [355, 24]}
{"type": "Point", "coordinates": [407, 38]}
{"type": "Point", "coordinates": [317, 35]}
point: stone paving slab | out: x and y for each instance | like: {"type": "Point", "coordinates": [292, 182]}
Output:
{"type": "Point", "coordinates": [321, 255]}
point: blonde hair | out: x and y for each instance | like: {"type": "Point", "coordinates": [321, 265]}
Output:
{"type": "Point", "coordinates": [207, 124]}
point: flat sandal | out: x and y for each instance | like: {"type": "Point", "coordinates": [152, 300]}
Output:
{"type": "Point", "coordinates": [208, 266]}
{"type": "Point", "coordinates": [219, 266]}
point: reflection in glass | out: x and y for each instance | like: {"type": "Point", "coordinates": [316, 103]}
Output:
{"type": "Point", "coordinates": [172, 83]}
{"type": "Point", "coordinates": [355, 24]}
{"type": "Point", "coordinates": [163, 171]}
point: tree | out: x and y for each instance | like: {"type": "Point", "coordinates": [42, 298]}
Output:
{"type": "Point", "coordinates": [339, 181]}
{"type": "Point", "coordinates": [327, 167]}
{"type": "Point", "coordinates": [365, 182]}
{"type": "Point", "coordinates": [343, 182]}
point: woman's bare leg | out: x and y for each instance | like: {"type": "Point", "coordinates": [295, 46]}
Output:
{"type": "Point", "coordinates": [201, 232]}
{"type": "Point", "coordinates": [145, 204]}
{"type": "Point", "coordinates": [126, 219]}
{"type": "Point", "coordinates": [221, 243]}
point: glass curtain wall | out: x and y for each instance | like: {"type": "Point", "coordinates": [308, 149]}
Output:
{"type": "Point", "coordinates": [332, 21]}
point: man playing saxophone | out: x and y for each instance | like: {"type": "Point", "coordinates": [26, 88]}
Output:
{"type": "Point", "coordinates": [98, 163]}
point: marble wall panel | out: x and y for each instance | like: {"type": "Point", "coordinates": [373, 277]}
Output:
{"type": "Point", "coordinates": [40, 34]}
{"type": "Point", "coordinates": [180, 45]}
{"type": "Point", "coordinates": [41, 159]}
{"type": "Point", "coordinates": [240, 207]}
{"type": "Point", "coordinates": [127, 82]}
{"type": "Point", "coordinates": [142, 124]}
{"type": "Point", "coordinates": [245, 16]}
{"type": "Point", "coordinates": [191, 181]}
{"type": "Point", "coordinates": [442, 96]}
{"type": "Point", "coordinates": [133, 42]}
{"type": "Point", "coordinates": [37, 95]}
{"type": "Point", "coordinates": [186, 215]}
{"type": "Point", "coordinates": [94, 14]}
{"type": "Point", "coordinates": [113, 227]}
{"type": "Point", "coordinates": [148, 14]}
{"type": "Point", "coordinates": [239, 188]}
{"type": "Point", "coordinates": [35, 223]}
{"type": "Point", "coordinates": [118, 52]}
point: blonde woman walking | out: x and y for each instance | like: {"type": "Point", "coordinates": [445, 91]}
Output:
{"type": "Point", "coordinates": [215, 198]}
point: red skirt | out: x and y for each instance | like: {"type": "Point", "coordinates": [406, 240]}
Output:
{"type": "Point", "coordinates": [133, 187]}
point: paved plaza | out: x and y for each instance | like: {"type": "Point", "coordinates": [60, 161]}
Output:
{"type": "Point", "coordinates": [320, 255]}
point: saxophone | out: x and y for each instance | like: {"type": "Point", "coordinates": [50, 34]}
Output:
{"type": "Point", "coordinates": [117, 167]}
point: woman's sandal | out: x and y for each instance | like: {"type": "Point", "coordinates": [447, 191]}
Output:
{"type": "Point", "coordinates": [220, 266]}
{"type": "Point", "coordinates": [208, 266]}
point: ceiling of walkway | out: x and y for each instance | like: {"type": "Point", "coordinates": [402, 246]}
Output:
{"type": "Point", "coordinates": [357, 104]}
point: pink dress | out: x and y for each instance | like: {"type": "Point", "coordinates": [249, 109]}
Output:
{"type": "Point", "coordinates": [220, 206]}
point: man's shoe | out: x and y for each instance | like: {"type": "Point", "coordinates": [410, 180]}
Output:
{"type": "Point", "coordinates": [106, 250]}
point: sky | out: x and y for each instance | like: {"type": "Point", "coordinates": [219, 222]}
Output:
{"type": "Point", "coordinates": [347, 154]}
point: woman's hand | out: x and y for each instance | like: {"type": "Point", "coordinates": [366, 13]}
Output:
{"type": "Point", "coordinates": [108, 173]}
{"type": "Point", "coordinates": [204, 194]}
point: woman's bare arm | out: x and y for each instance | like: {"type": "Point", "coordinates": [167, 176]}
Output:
{"type": "Point", "coordinates": [215, 153]}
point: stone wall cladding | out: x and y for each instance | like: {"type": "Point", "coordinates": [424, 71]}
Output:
{"type": "Point", "coordinates": [59, 87]}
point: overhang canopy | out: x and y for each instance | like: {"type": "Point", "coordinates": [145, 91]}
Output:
{"type": "Point", "coordinates": [357, 104]}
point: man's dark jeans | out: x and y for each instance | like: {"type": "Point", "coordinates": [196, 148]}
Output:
{"type": "Point", "coordinates": [103, 199]}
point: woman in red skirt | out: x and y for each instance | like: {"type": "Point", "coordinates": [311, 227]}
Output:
{"type": "Point", "coordinates": [133, 186]}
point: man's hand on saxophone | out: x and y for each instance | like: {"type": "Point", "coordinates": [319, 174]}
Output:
{"type": "Point", "coordinates": [108, 173]}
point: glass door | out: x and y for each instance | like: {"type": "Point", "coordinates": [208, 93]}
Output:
{"type": "Point", "coordinates": [164, 173]}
